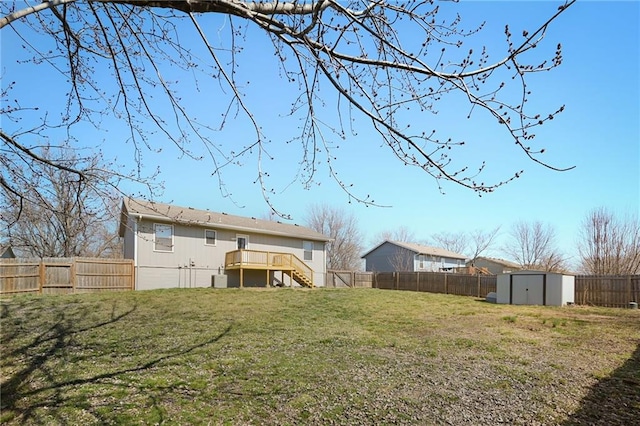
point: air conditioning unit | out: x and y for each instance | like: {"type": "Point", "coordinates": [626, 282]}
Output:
{"type": "Point", "coordinates": [219, 281]}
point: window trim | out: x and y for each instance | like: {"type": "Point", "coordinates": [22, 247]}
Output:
{"type": "Point", "coordinates": [215, 237]}
{"type": "Point", "coordinates": [155, 237]}
{"type": "Point", "coordinates": [305, 251]}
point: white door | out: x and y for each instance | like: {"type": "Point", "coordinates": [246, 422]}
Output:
{"type": "Point", "coordinates": [527, 289]}
{"type": "Point", "coordinates": [242, 241]}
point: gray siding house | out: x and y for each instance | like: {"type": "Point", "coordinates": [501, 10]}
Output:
{"type": "Point", "coordinates": [396, 256]}
{"type": "Point", "coordinates": [494, 266]}
{"type": "Point", "coordinates": [174, 246]}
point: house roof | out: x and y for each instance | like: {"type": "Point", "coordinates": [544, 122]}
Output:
{"type": "Point", "coordinates": [209, 219]}
{"type": "Point", "coordinates": [6, 251]}
{"type": "Point", "coordinates": [420, 249]}
{"type": "Point", "coordinates": [502, 262]}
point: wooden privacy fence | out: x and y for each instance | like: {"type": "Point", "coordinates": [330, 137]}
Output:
{"type": "Point", "coordinates": [65, 275]}
{"type": "Point", "coordinates": [432, 282]}
{"type": "Point", "coordinates": [607, 290]}
{"type": "Point", "coordinates": [597, 290]}
{"type": "Point", "coordinates": [349, 279]}
{"type": "Point", "coordinates": [436, 282]}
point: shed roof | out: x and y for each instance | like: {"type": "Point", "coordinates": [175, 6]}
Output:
{"type": "Point", "coordinates": [210, 219]}
{"type": "Point", "coordinates": [420, 249]}
{"type": "Point", "coordinates": [537, 272]}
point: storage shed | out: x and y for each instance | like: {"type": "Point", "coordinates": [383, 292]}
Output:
{"type": "Point", "coordinates": [535, 288]}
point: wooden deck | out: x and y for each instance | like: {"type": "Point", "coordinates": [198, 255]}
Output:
{"type": "Point", "coordinates": [270, 261]}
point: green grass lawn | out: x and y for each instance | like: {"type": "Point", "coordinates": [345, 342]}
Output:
{"type": "Point", "coordinates": [283, 356]}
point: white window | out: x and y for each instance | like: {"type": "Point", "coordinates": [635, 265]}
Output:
{"type": "Point", "coordinates": [243, 241]}
{"type": "Point", "coordinates": [307, 247]}
{"type": "Point", "coordinates": [163, 237]}
{"type": "Point", "coordinates": [210, 237]}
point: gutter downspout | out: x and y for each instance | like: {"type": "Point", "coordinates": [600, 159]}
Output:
{"type": "Point", "coordinates": [135, 249]}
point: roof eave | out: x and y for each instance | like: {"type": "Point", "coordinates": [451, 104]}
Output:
{"type": "Point", "coordinates": [219, 225]}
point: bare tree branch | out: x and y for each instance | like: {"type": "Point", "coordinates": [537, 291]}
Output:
{"type": "Point", "coordinates": [6, 20]}
{"type": "Point", "coordinates": [457, 242]}
{"type": "Point", "coordinates": [343, 251]}
{"type": "Point", "coordinates": [30, 153]}
{"type": "Point", "coordinates": [481, 241]}
{"type": "Point", "coordinates": [532, 246]}
{"type": "Point", "coordinates": [401, 234]}
{"type": "Point", "coordinates": [68, 216]}
{"type": "Point", "coordinates": [379, 58]}
{"type": "Point", "coordinates": [609, 245]}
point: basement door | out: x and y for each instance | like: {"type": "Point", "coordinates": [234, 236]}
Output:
{"type": "Point", "coordinates": [527, 289]}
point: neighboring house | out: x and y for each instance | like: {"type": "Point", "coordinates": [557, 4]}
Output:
{"type": "Point", "coordinates": [182, 247]}
{"type": "Point", "coordinates": [6, 252]}
{"type": "Point", "coordinates": [494, 266]}
{"type": "Point", "coordinates": [395, 256]}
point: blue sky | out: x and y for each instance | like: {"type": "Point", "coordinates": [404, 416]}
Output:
{"type": "Point", "coordinates": [598, 133]}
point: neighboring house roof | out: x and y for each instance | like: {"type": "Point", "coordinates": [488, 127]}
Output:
{"type": "Point", "coordinates": [420, 249]}
{"type": "Point", "coordinates": [6, 252]}
{"type": "Point", "coordinates": [205, 218]}
{"type": "Point", "coordinates": [502, 262]}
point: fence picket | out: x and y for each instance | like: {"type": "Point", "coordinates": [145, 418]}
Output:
{"type": "Point", "coordinates": [65, 275]}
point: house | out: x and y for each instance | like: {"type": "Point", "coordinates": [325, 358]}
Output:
{"type": "Point", "coordinates": [6, 252]}
{"type": "Point", "coordinates": [494, 266]}
{"type": "Point", "coordinates": [176, 246]}
{"type": "Point", "coordinates": [396, 256]}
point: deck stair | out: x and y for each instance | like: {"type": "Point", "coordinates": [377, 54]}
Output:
{"type": "Point", "coordinates": [301, 278]}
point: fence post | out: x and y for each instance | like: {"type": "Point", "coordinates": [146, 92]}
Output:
{"type": "Point", "coordinates": [41, 276]}
{"type": "Point", "coordinates": [585, 291]}
{"type": "Point", "coordinates": [628, 288]}
{"type": "Point", "coordinates": [133, 275]}
{"type": "Point", "coordinates": [417, 281]}
{"type": "Point", "coordinates": [479, 285]}
{"type": "Point", "coordinates": [445, 284]}
{"type": "Point", "coordinates": [72, 275]}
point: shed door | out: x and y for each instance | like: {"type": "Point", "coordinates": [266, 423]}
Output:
{"type": "Point", "coordinates": [527, 289]}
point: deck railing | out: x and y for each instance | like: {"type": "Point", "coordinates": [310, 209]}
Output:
{"type": "Point", "coordinates": [255, 259]}
{"type": "Point", "coordinates": [302, 268]}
